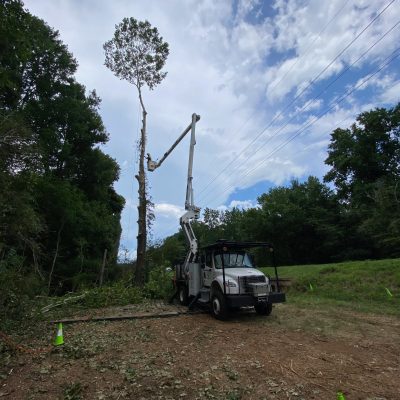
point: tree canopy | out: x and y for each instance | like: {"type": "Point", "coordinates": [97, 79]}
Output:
{"type": "Point", "coordinates": [59, 210]}
{"type": "Point", "coordinates": [364, 154]}
{"type": "Point", "coordinates": [137, 53]}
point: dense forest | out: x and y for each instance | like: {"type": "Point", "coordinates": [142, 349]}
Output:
{"type": "Point", "coordinates": [59, 211]}
{"type": "Point", "coordinates": [354, 214]}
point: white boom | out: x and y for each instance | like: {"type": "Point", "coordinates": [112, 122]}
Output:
{"type": "Point", "coordinates": [192, 212]}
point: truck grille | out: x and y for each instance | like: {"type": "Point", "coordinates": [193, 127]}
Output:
{"type": "Point", "coordinates": [253, 278]}
{"type": "Point", "coordinates": [245, 281]}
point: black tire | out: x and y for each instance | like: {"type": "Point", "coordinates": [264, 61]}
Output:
{"type": "Point", "coordinates": [183, 295]}
{"type": "Point", "coordinates": [219, 308]}
{"type": "Point", "coordinates": [263, 308]}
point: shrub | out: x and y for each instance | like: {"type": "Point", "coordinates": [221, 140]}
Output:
{"type": "Point", "coordinates": [159, 285]}
{"type": "Point", "coordinates": [18, 288]}
{"type": "Point", "coordinates": [116, 294]}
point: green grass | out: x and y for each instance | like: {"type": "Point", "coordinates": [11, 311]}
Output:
{"type": "Point", "coordinates": [358, 285]}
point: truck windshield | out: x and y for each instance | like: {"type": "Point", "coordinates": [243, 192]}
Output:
{"type": "Point", "coordinates": [235, 259]}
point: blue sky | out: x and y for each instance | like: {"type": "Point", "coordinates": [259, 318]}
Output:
{"type": "Point", "coordinates": [265, 76]}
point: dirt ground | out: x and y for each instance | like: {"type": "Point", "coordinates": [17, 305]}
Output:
{"type": "Point", "coordinates": [296, 353]}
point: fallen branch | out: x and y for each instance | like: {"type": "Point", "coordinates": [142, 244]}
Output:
{"type": "Point", "coordinates": [65, 301]}
{"type": "Point", "coordinates": [126, 316]}
{"type": "Point", "coordinates": [291, 367]}
{"type": "Point", "coordinates": [8, 341]}
{"type": "Point", "coordinates": [304, 378]}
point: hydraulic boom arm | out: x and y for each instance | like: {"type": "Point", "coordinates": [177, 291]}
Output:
{"type": "Point", "coordinates": [192, 212]}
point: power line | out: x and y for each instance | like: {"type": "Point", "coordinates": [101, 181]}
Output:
{"type": "Point", "coordinates": [316, 97]}
{"type": "Point", "coordinates": [291, 67]}
{"type": "Point", "coordinates": [393, 56]}
{"type": "Point", "coordinates": [348, 93]}
{"type": "Point", "coordinates": [311, 45]}
{"type": "Point", "coordinates": [297, 96]}
{"type": "Point", "coordinates": [172, 231]}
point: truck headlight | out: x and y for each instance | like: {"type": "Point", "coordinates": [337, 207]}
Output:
{"type": "Point", "coordinates": [230, 284]}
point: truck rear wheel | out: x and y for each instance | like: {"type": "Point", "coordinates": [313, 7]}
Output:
{"type": "Point", "coordinates": [263, 308]}
{"type": "Point", "coordinates": [183, 295]}
{"type": "Point", "coordinates": [219, 307]}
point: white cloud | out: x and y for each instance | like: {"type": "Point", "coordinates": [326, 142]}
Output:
{"type": "Point", "coordinates": [130, 203]}
{"type": "Point", "coordinates": [125, 255]}
{"type": "Point", "coordinates": [240, 204]}
{"type": "Point", "coordinates": [391, 94]}
{"type": "Point", "coordinates": [244, 7]}
{"type": "Point", "coordinates": [243, 204]}
{"type": "Point", "coordinates": [382, 82]}
{"type": "Point", "coordinates": [298, 28]}
{"type": "Point", "coordinates": [168, 210]}
{"type": "Point", "coordinates": [310, 105]}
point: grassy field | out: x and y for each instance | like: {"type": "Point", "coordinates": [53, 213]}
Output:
{"type": "Point", "coordinates": [370, 286]}
{"type": "Point", "coordinates": [315, 345]}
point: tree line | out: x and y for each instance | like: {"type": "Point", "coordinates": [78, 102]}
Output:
{"type": "Point", "coordinates": [354, 213]}
{"type": "Point", "coordinates": [59, 211]}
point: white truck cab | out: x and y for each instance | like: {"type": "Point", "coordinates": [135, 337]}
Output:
{"type": "Point", "coordinates": [226, 279]}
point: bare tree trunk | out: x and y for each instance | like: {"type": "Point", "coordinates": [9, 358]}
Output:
{"type": "Point", "coordinates": [81, 257]}
{"type": "Point", "coordinates": [142, 207]}
{"type": "Point", "coordinates": [55, 257]}
{"type": "Point", "coordinates": [33, 246]}
{"type": "Point", "coordinates": [35, 261]}
{"type": "Point", "coordinates": [103, 265]}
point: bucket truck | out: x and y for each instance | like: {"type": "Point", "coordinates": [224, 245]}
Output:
{"type": "Point", "coordinates": [221, 275]}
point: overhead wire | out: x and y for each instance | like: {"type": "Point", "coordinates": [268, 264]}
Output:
{"type": "Point", "coordinates": [310, 46]}
{"type": "Point", "coordinates": [175, 230]}
{"type": "Point", "coordinates": [387, 61]}
{"type": "Point", "coordinates": [301, 130]}
{"type": "Point", "coordinates": [315, 97]}
{"type": "Point", "coordinates": [285, 74]}
{"type": "Point", "coordinates": [338, 124]}
{"type": "Point", "coordinates": [277, 116]}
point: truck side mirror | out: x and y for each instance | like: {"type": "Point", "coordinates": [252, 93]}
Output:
{"type": "Point", "coordinates": [202, 261]}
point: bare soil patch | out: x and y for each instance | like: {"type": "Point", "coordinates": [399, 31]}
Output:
{"type": "Point", "coordinates": [296, 353]}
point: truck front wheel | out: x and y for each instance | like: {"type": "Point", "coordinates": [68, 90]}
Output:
{"type": "Point", "coordinates": [263, 308]}
{"type": "Point", "coordinates": [219, 307]}
{"type": "Point", "coordinates": [183, 295]}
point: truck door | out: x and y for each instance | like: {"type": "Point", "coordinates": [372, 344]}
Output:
{"type": "Point", "coordinates": [207, 270]}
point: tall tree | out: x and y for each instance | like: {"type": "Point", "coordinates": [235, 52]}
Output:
{"type": "Point", "coordinates": [365, 153]}
{"type": "Point", "coordinates": [137, 53]}
{"type": "Point", "coordinates": [365, 168]}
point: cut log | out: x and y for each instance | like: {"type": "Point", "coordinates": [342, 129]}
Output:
{"type": "Point", "coordinates": [119, 317]}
